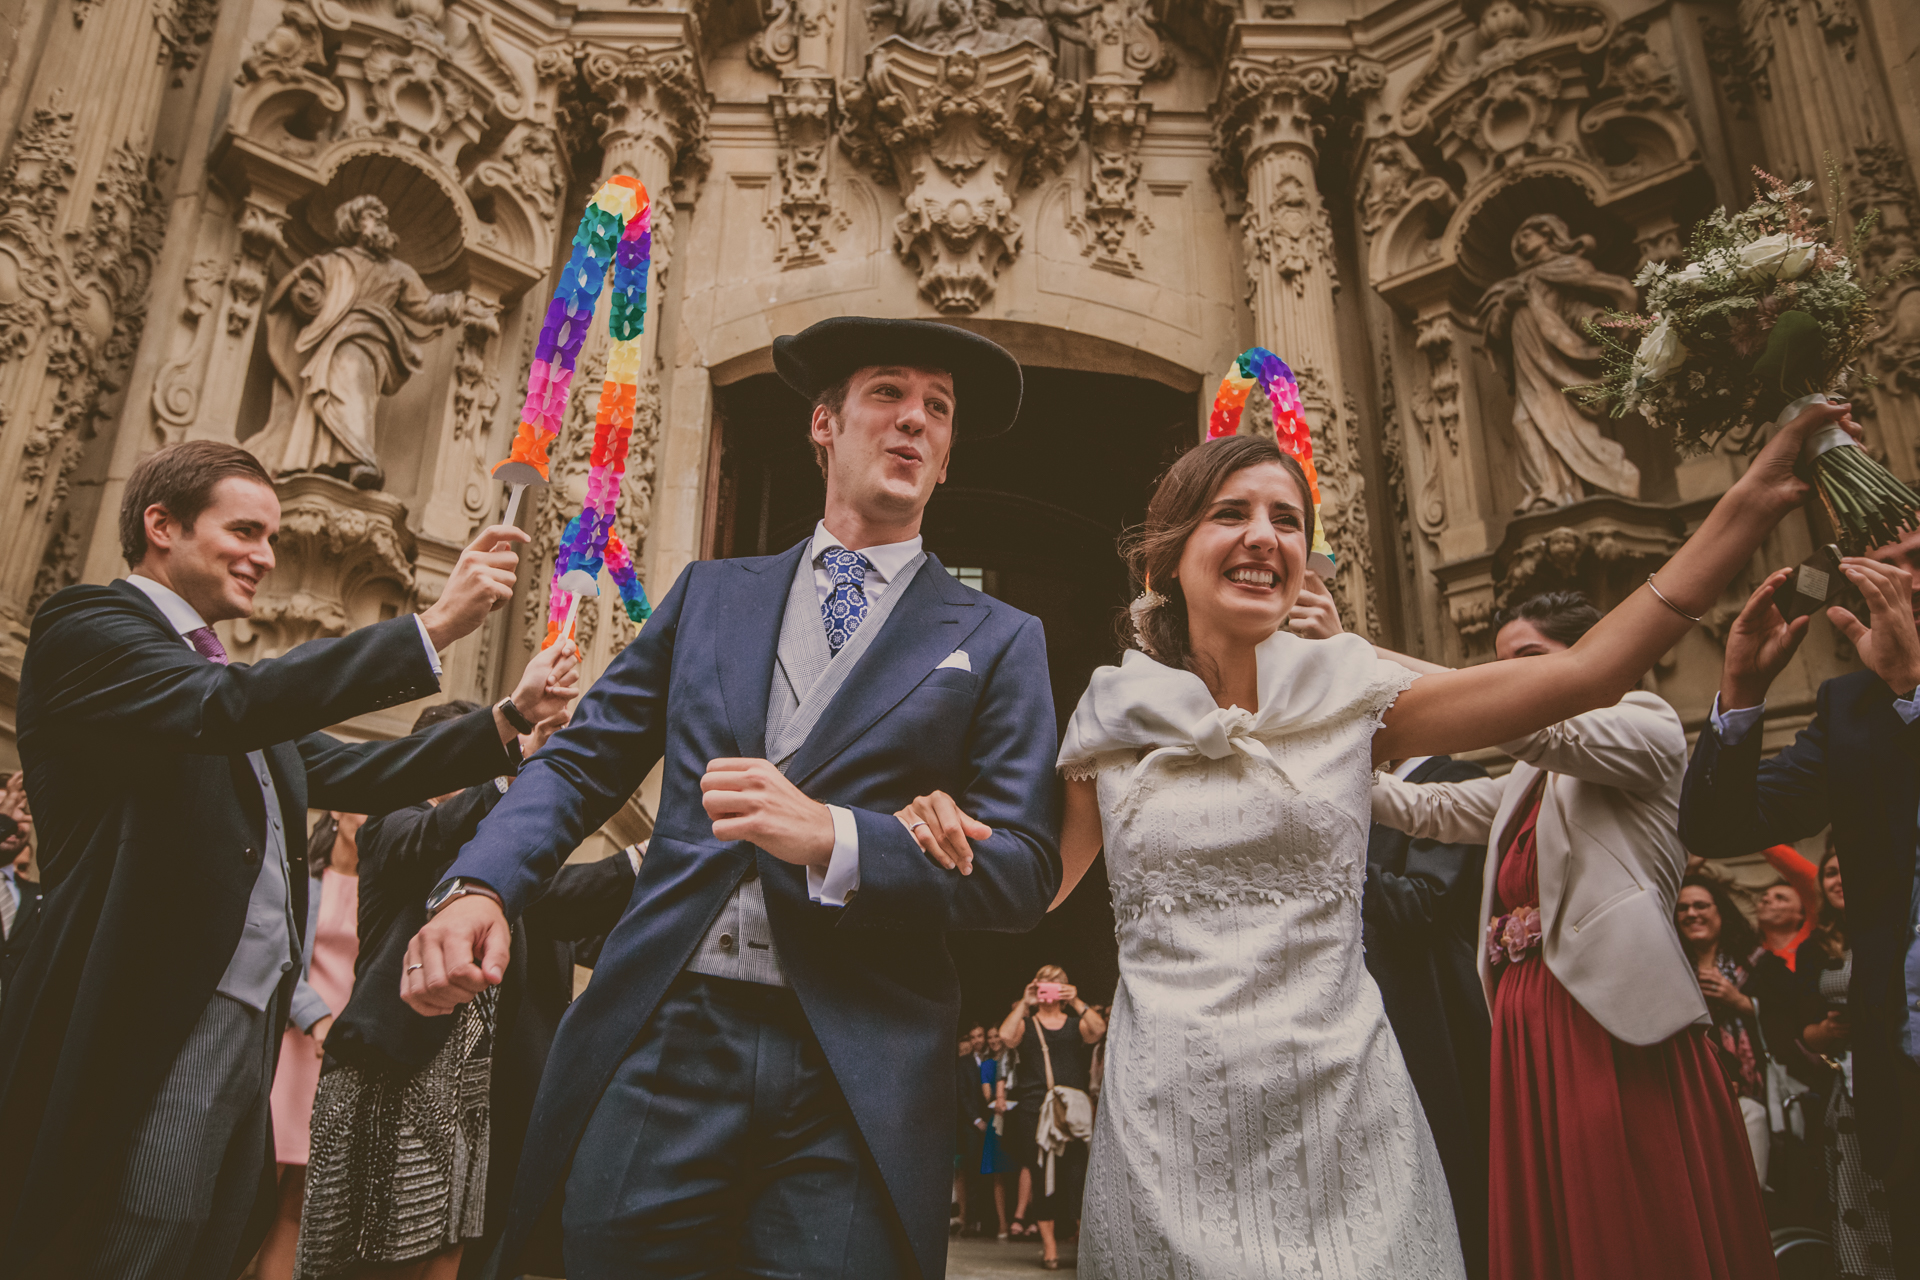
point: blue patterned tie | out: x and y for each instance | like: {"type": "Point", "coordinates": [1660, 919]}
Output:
{"type": "Point", "coordinates": [845, 607]}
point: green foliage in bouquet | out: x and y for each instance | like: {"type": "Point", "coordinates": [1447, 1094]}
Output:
{"type": "Point", "coordinates": [1696, 363]}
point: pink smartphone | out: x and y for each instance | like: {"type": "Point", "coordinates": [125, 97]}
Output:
{"type": "Point", "coordinates": [1047, 992]}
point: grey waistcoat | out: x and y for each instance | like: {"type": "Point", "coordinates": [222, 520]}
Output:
{"type": "Point", "coordinates": [266, 949]}
{"type": "Point", "coordinates": [739, 943]}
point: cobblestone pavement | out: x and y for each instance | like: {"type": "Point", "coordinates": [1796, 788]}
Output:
{"type": "Point", "coordinates": [990, 1260]}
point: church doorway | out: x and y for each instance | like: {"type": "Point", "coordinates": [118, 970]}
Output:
{"type": "Point", "coordinates": [1030, 518]}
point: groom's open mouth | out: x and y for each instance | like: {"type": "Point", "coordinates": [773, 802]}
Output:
{"type": "Point", "coordinates": [906, 454]}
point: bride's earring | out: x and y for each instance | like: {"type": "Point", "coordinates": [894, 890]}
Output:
{"type": "Point", "coordinates": [1145, 602]}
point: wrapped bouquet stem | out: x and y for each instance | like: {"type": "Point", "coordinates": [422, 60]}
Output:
{"type": "Point", "coordinates": [1766, 318]}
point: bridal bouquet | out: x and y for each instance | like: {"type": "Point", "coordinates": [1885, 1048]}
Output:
{"type": "Point", "coordinates": [1765, 319]}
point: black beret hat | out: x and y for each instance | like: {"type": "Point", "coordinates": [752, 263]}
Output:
{"type": "Point", "coordinates": [986, 377]}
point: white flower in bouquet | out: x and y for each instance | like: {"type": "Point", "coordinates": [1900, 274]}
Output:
{"type": "Point", "coordinates": [1776, 257]}
{"type": "Point", "coordinates": [1660, 353]}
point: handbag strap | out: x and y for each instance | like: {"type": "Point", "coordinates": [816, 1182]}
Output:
{"type": "Point", "coordinates": [1046, 1055]}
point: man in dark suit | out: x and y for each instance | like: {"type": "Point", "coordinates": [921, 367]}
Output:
{"type": "Point", "coordinates": [139, 1034]}
{"type": "Point", "coordinates": [19, 894]}
{"type": "Point", "coordinates": [1420, 922]}
{"type": "Point", "coordinates": [1856, 766]}
{"type": "Point", "coordinates": [760, 1074]}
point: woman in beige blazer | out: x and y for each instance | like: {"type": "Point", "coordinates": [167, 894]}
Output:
{"type": "Point", "coordinates": [1607, 1102]}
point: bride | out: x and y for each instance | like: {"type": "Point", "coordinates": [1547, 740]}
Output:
{"type": "Point", "coordinates": [1257, 1118]}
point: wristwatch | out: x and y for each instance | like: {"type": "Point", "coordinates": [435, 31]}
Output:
{"type": "Point", "coordinates": [457, 887]}
{"type": "Point", "coordinates": [514, 716]}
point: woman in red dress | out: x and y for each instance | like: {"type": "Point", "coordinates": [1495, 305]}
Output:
{"type": "Point", "coordinates": [1616, 1146]}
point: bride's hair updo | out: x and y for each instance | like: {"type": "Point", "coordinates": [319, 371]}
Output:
{"type": "Point", "coordinates": [1179, 504]}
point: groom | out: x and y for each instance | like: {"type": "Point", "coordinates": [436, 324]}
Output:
{"type": "Point", "coordinates": [753, 1080]}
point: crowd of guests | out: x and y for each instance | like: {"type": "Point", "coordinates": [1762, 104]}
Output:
{"type": "Point", "coordinates": [1623, 1029]}
{"type": "Point", "coordinates": [1025, 1092]}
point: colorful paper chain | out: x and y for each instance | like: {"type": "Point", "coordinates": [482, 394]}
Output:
{"type": "Point", "coordinates": [616, 233]}
{"type": "Point", "coordinates": [1257, 365]}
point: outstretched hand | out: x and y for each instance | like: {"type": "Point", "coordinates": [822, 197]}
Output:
{"type": "Point", "coordinates": [1890, 647]}
{"type": "Point", "coordinates": [481, 581]}
{"type": "Point", "coordinates": [1759, 646]}
{"type": "Point", "coordinates": [1773, 480]}
{"type": "Point", "coordinates": [456, 955]}
{"type": "Point", "coordinates": [942, 830]}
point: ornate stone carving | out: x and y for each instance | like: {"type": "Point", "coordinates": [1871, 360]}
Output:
{"type": "Point", "coordinates": [1437, 412]}
{"type": "Point", "coordinates": [1386, 183]}
{"type": "Point", "coordinates": [260, 237]}
{"type": "Point", "coordinates": [1266, 103]}
{"type": "Point", "coordinates": [343, 329]}
{"type": "Point", "coordinates": [1111, 220]}
{"type": "Point", "coordinates": [82, 294]}
{"type": "Point", "coordinates": [1600, 557]}
{"type": "Point", "coordinates": [58, 563]}
{"type": "Point", "coordinates": [1512, 117]}
{"type": "Point", "coordinates": [1393, 455]}
{"type": "Point", "coordinates": [1533, 321]}
{"type": "Point", "coordinates": [981, 27]}
{"type": "Point", "coordinates": [1336, 455]}
{"type": "Point", "coordinates": [1727, 58]}
{"type": "Point", "coordinates": [475, 396]}
{"type": "Point", "coordinates": [532, 165]}
{"type": "Point", "coordinates": [1292, 235]}
{"type": "Point", "coordinates": [342, 554]}
{"type": "Point", "coordinates": [1641, 76]}
{"type": "Point", "coordinates": [792, 25]}
{"type": "Point", "coordinates": [1507, 33]}
{"type": "Point", "coordinates": [185, 26]}
{"type": "Point", "coordinates": [411, 96]}
{"type": "Point", "coordinates": [654, 95]}
{"type": "Point", "coordinates": [803, 126]}
{"type": "Point", "coordinates": [176, 392]}
{"type": "Point", "coordinates": [293, 52]}
{"type": "Point", "coordinates": [960, 135]}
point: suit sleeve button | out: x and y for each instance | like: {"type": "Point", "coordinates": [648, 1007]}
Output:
{"type": "Point", "coordinates": [249, 856]}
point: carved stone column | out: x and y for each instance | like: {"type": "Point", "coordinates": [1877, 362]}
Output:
{"type": "Point", "coordinates": [1127, 52]}
{"type": "Point", "coordinates": [1266, 131]}
{"type": "Point", "coordinates": [1820, 91]}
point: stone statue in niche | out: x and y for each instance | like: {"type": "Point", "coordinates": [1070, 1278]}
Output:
{"type": "Point", "coordinates": [1533, 322]}
{"type": "Point", "coordinates": [343, 329]}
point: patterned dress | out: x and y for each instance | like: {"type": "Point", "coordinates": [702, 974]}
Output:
{"type": "Point", "coordinates": [1257, 1119]}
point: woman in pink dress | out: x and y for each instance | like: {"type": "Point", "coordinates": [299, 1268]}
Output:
{"type": "Point", "coordinates": [333, 859]}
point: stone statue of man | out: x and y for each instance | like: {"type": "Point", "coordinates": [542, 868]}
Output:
{"type": "Point", "coordinates": [1533, 325]}
{"type": "Point", "coordinates": [343, 329]}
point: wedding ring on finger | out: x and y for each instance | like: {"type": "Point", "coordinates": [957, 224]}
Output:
{"type": "Point", "coordinates": [412, 967]}
{"type": "Point", "coordinates": [915, 827]}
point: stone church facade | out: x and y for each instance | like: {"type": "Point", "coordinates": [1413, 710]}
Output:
{"type": "Point", "coordinates": [327, 229]}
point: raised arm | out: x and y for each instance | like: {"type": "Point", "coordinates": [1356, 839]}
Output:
{"type": "Point", "coordinates": [1452, 812]}
{"type": "Point", "coordinates": [1455, 711]}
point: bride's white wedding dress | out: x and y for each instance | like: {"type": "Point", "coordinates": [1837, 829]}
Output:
{"type": "Point", "coordinates": [1256, 1118]}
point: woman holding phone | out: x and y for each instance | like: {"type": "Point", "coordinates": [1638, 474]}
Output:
{"type": "Point", "coordinates": [1055, 1030]}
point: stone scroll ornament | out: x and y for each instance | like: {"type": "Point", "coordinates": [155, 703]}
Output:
{"type": "Point", "coordinates": [1257, 366]}
{"type": "Point", "coordinates": [616, 234]}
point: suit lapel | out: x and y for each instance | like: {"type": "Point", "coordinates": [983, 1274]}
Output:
{"type": "Point", "coordinates": [747, 617]}
{"type": "Point", "coordinates": [934, 618]}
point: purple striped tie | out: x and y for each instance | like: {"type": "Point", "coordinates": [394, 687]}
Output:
{"type": "Point", "coordinates": [207, 645]}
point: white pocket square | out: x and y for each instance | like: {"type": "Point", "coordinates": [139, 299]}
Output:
{"type": "Point", "coordinates": [956, 661]}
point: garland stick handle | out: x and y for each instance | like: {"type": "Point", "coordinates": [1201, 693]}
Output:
{"type": "Point", "coordinates": [577, 583]}
{"type": "Point", "coordinates": [513, 503]}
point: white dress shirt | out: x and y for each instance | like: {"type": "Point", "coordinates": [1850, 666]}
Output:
{"type": "Point", "coordinates": [842, 874]}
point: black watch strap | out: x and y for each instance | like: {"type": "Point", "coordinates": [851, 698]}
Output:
{"type": "Point", "coordinates": [514, 716]}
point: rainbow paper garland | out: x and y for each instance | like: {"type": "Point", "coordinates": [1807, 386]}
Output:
{"type": "Point", "coordinates": [615, 234]}
{"type": "Point", "coordinates": [1257, 365]}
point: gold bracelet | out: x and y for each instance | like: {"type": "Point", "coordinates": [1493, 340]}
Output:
{"type": "Point", "coordinates": [1658, 595]}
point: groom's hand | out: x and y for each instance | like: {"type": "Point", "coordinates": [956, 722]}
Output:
{"type": "Point", "coordinates": [942, 829]}
{"type": "Point", "coordinates": [753, 801]}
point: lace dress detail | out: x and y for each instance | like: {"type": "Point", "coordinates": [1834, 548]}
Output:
{"type": "Point", "coordinates": [1256, 1119]}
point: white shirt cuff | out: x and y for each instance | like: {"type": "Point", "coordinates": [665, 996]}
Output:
{"type": "Point", "coordinates": [1734, 725]}
{"type": "Point", "coordinates": [842, 876]}
{"type": "Point", "coordinates": [426, 642]}
{"type": "Point", "coordinates": [1908, 708]}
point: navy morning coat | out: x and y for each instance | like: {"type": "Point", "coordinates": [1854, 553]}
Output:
{"type": "Point", "coordinates": [875, 978]}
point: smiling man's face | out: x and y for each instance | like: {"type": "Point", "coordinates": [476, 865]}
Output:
{"type": "Point", "coordinates": [889, 445]}
{"type": "Point", "coordinates": [217, 565]}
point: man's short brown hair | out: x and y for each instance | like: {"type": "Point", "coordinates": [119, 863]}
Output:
{"type": "Point", "coordinates": [180, 478]}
